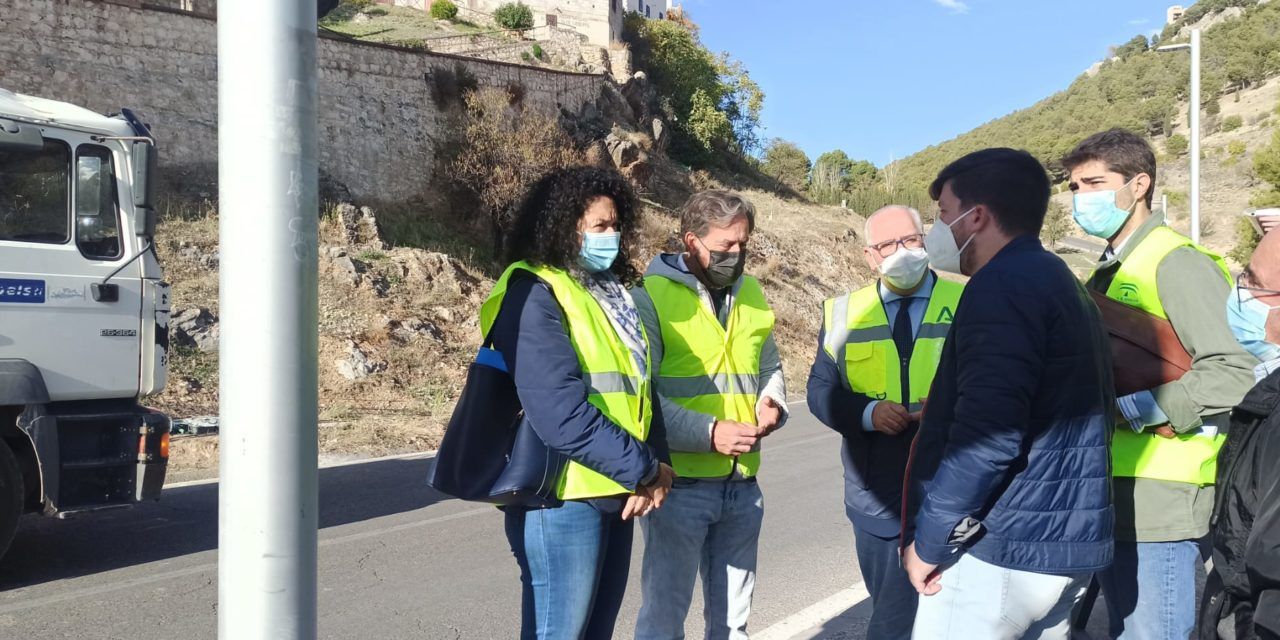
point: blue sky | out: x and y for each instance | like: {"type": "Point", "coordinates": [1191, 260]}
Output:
{"type": "Point", "coordinates": [885, 78]}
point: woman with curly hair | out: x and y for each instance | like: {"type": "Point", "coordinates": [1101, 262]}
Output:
{"type": "Point", "coordinates": [562, 319]}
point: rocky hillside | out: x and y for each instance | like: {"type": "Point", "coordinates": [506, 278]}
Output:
{"type": "Point", "coordinates": [399, 290]}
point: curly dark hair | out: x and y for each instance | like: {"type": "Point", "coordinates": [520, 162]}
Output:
{"type": "Point", "coordinates": [545, 228]}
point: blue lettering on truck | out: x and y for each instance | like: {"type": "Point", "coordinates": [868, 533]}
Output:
{"type": "Point", "coordinates": [29, 291]}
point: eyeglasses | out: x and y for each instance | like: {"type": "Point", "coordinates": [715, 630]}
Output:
{"type": "Point", "coordinates": [1245, 281]}
{"type": "Point", "coordinates": [888, 247]}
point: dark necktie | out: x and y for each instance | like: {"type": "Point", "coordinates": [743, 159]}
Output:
{"type": "Point", "coordinates": [903, 340]}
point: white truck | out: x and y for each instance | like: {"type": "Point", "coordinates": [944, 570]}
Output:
{"type": "Point", "coordinates": [84, 312]}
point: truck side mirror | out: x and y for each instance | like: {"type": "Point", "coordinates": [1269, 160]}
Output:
{"type": "Point", "coordinates": [19, 136]}
{"type": "Point", "coordinates": [144, 188]}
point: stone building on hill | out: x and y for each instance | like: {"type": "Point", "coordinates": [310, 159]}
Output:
{"type": "Point", "coordinates": [656, 9]}
{"type": "Point", "coordinates": [599, 20]}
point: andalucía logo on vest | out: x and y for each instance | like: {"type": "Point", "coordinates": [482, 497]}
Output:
{"type": "Point", "coordinates": [1128, 293]}
{"type": "Point", "coordinates": [945, 316]}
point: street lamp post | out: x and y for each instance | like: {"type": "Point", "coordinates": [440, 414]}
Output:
{"type": "Point", "coordinates": [267, 498]}
{"type": "Point", "coordinates": [1194, 124]}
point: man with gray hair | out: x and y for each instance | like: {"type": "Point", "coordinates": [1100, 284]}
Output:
{"type": "Point", "coordinates": [877, 355]}
{"type": "Point", "coordinates": [719, 380]}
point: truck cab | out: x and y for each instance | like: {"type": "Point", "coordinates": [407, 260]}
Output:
{"type": "Point", "coordinates": [85, 312]}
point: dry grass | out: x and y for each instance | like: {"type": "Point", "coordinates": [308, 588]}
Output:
{"type": "Point", "coordinates": [802, 253]}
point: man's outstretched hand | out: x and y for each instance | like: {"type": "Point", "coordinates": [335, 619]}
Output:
{"type": "Point", "coordinates": [768, 416]}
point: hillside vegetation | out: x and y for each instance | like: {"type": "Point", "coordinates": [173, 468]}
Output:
{"type": "Point", "coordinates": [1136, 88]}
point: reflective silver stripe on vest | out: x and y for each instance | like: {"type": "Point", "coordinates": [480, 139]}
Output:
{"type": "Point", "coordinates": [712, 385]}
{"type": "Point", "coordinates": [837, 334]}
{"type": "Point", "coordinates": [914, 407]}
{"type": "Point", "coordinates": [609, 382]}
{"type": "Point", "coordinates": [930, 331]}
{"type": "Point", "coordinates": [870, 334]}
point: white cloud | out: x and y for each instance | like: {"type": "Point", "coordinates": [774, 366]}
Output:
{"type": "Point", "coordinates": [955, 6]}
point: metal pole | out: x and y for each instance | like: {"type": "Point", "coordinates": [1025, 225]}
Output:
{"type": "Point", "coordinates": [1195, 136]}
{"type": "Point", "coordinates": [1164, 205]}
{"type": "Point", "coordinates": [268, 217]}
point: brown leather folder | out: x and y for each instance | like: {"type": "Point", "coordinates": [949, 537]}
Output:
{"type": "Point", "coordinates": [1145, 350]}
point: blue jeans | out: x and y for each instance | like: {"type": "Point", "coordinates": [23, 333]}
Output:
{"type": "Point", "coordinates": [573, 561]}
{"type": "Point", "coordinates": [710, 527]}
{"type": "Point", "coordinates": [1150, 590]}
{"type": "Point", "coordinates": [981, 600]}
{"type": "Point", "coordinates": [893, 599]}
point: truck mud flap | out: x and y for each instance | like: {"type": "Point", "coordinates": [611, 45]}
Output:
{"type": "Point", "coordinates": [97, 454]}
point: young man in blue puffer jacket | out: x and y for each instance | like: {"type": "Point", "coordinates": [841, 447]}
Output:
{"type": "Point", "coordinates": [1009, 481]}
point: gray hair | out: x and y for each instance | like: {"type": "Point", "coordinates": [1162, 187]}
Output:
{"type": "Point", "coordinates": [719, 207]}
{"type": "Point", "coordinates": [915, 217]}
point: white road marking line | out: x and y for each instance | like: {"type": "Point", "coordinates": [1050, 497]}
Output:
{"type": "Point", "coordinates": [815, 614]}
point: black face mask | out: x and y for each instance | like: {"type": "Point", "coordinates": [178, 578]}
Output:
{"type": "Point", "coordinates": [724, 268]}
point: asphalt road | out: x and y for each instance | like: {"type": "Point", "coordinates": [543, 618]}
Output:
{"type": "Point", "coordinates": [1092, 247]}
{"type": "Point", "coordinates": [396, 559]}
{"type": "Point", "coordinates": [400, 561]}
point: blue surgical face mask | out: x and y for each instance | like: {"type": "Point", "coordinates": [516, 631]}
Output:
{"type": "Point", "coordinates": [1247, 317]}
{"type": "Point", "coordinates": [1096, 212]}
{"type": "Point", "coordinates": [599, 250]}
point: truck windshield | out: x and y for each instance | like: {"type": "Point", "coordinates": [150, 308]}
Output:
{"type": "Point", "coordinates": [33, 193]}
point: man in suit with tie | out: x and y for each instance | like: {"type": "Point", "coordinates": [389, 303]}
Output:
{"type": "Point", "coordinates": [877, 355]}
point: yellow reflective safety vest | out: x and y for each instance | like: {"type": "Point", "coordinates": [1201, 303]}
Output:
{"type": "Point", "coordinates": [1191, 457]}
{"type": "Point", "coordinates": [711, 368]}
{"type": "Point", "coordinates": [614, 382]}
{"type": "Point", "coordinates": [859, 338]}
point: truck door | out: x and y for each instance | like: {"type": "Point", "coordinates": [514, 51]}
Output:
{"type": "Point", "coordinates": [60, 233]}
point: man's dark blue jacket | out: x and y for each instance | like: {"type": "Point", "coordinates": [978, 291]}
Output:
{"type": "Point", "coordinates": [1011, 464]}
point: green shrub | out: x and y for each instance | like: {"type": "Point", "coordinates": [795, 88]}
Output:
{"type": "Point", "coordinates": [1246, 241]}
{"type": "Point", "coordinates": [788, 163]}
{"type": "Point", "coordinates": [524, 55]}
{"type": "Point", "coordinates": [514, 15]}
{"type": "Point", "coordinates": [375, 11]}
{"type": "Point", "coordinates": [444, 10]}
{"type": "Point", "coordinates": [1236, 148]}
{"type": "Point", "coordinates": [1231, 123]}
{"type": "Point", "coordinates": [538, 52]}
{"type": "Point", "coordinates": [707, 124]}
{"type": "Point", "coordinates": [1176, 145]}
{"type": "Point", "coordinates": [504, 149]}
{"type": "Point", "coordinates": [680, 66]}
{"type": "Point", "coordinates": [1057, 224]}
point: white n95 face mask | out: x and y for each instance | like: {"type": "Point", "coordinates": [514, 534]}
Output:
{"type": "Point", "coordinates": [944, 255]}
{"type": "Point", "coordinates": [905, 268]}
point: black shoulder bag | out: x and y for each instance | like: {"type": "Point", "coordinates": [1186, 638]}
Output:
{"type": "Point", "coordinates": [490, 453]}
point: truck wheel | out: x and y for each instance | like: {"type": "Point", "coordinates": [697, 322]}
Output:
{"type": "Point", "coordinates": [11, 493]}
